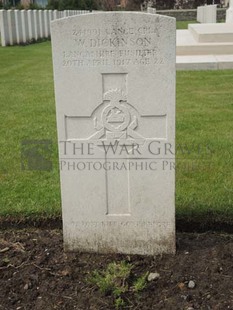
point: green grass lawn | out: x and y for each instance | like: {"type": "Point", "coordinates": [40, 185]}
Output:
{"type": "Point", "coordinates": [204, 177]}
{"type": "Point", "coordinates": [27, 112]}
{"type": "Point", "coordinates": [184, 24]}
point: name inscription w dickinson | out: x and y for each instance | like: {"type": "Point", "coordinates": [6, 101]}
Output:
{"type": "Point", "coordinates": [114, 46]}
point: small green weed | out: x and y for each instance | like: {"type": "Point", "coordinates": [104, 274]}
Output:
{"type": "Point", "coordinates": [115, 281]}
{"type": "Point", "coordinates": [140, 283]}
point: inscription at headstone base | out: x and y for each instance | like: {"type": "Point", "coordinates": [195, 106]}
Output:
{"type": "Point", "coordinates": [115, 100]}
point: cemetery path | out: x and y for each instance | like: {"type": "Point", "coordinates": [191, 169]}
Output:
{"type": "Point", "coordinates": [35, 273]}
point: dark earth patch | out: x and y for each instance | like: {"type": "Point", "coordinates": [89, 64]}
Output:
{"type": "Point", "coordinates": [36, 274]}
{"type": "Point", "coordinates": [201, 223]}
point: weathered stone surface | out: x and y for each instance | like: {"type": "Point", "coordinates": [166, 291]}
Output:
{"type": "Point", "coordinates": [115, 86]}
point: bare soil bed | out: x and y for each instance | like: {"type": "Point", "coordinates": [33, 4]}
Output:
{"type": "Point", "coordinates": [35, 274]}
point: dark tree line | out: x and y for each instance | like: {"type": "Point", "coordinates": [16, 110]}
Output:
{"type": "Point", "coordinates": [72, 4]}
{"type": "Point", "coordinates": [171, 4]}
{"type": "Point", "coordinates": [110, 5]}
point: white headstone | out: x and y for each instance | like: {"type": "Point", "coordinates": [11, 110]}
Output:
{"type": "Point", "coordinates": [229, 13]}
{"type": "Point", "coordinates": [36, 24]}
{"type": "Point", "coordinates": [151, 10]}
{"type": "Point", "coordinates": [25, 28]}
{"type": "Point", "coordinates": [42, 24]}
{"type": "Point", "coordinates": [207, 14]}
{"type": "Point", "coordinates": [50, 18]}
{"type": "Point", "coordinates": [5, 40]}
{"type": "Point", "coordinates": [211, 14]}
{"type": "Point", "coordinates": [55, 14]}
{"type": "Point", "coordinates": [115, 98]}
{"type": "Point", "coordinates": [31, 25]}
{"type": "Point", "coordinates": [202, 14]}
{"type": "Point", "coordinates": [11, 27]}
{"type": "Point", "coordinates": [46, 23]}
{"type": "Point", "coordinates": [19, 27]}
{"type": "Point", "coordinates": [199, 13]}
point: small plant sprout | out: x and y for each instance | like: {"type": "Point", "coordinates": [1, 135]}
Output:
{"type": "Point", "coordinates": [116, 280]}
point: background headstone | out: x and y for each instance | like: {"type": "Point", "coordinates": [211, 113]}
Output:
{"type": "Point", "coordinates": [151, 10]}
{"type": "Point", "coordinates": [19, 26]}
{"type": "Point", "coordinates": [229, 13]}
{"type": "Point", "coordinates": [56, 14]}
{"type": "Point", "coordinates": [207, 14]}
{"type": "Point", "coordinates": [37, 24]}
{"type": "Point", "coordinates": [46, 23]}
{"type": "Point", "coordinates": [115, 86]}
{"type": "Point", "coordinates": [5, 39]}
{"type": "Point", "coordinates": [25, 28]}
{"type": "Point", "coordinates": [31, 25]}
{"type": "Point", "coordinates": [11, 27]}
{"type": "Point", "coordinates": [42, 23]}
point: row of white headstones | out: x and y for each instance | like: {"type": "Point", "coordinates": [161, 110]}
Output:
{"type": "Point", "coordinates": [208, 13]}
{"type": "Point", "coordinates": [24, 26]}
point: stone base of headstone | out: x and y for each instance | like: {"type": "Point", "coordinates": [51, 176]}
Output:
{"type": "Point", "coordinates": [207, 33]}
